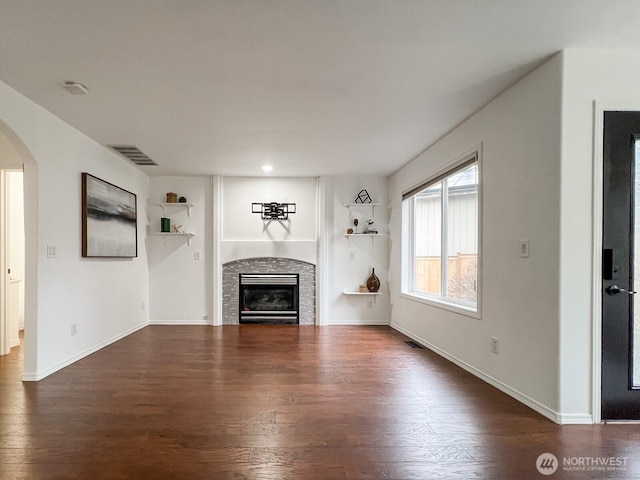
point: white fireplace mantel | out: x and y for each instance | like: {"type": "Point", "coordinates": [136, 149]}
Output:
{"type": "Point", "coordinates": [305, 251]}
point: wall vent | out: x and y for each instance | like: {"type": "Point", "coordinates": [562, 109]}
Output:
{"type": "Point", "coordinates": [133, 153]}
{"type": "Point", "coordinates": [413, 344]}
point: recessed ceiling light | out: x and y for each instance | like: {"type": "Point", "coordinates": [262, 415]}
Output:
{"type": "Point", "coordinates": [75, 88]}
{"type": "Point", "coordinates": [267, 168]}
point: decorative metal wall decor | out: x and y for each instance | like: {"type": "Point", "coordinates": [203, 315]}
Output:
{"type": "Point", "coordinates": [274, 210]}
{"type": "Point", "coordinates": [363, 197]}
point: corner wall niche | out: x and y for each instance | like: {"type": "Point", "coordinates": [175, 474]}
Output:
{"type": "Point", "coordinates": [274, 265]}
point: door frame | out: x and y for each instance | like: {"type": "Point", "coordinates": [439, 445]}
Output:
{"type": "Point", "coordinates": [5, 337]}
{"type": "Point", "coordinates": [5, 256]}
{"type": "Point", "coordinates": [599, 107]}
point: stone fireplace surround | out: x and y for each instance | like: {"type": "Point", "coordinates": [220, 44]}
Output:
{"type": "Point", "coordinates": [231, 288]}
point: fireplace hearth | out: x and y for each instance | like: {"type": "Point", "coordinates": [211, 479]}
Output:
{"type": "Point", "coordinates": [269, 298]}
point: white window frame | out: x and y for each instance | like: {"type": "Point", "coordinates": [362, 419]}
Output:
{"type": "Point", "coordinates": [408, 243]}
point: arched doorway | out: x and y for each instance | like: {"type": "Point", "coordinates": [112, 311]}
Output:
{"type": "Point", "coordinates": [14, 155]}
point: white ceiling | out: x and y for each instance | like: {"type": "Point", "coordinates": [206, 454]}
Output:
{"type": "Point", "coordinates": [315, 87]}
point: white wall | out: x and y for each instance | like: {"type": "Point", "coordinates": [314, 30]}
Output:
{"type": "Point", "coordinates": [519, 134]}
{"type": "Point", "coordinates": [352, 259]}
{"type": "Point", "coordinates": [179, 284]}
{"type": "Point", "coordinates": [239, 224]}
{"type": "Point", "coordinates": [609, 78]}
{"type": "Point", "coordinates": [246, 235]}
{"type": "Point", "coordinates": [9, 157]}
{"type": "Point", "coordinates": [102, 296]}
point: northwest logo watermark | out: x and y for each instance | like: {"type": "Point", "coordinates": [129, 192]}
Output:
{"type": "Point", "coordinates": [548, 464]}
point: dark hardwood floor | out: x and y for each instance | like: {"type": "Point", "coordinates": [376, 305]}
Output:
{"type": "Point", "coordinates": [280, 402]}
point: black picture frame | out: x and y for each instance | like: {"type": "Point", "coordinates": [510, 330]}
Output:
{"type": "Point", "coordinates": [109, 220]}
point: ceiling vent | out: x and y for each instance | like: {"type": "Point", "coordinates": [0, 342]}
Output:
{"type": "Point", "coordinates": [134, 154]}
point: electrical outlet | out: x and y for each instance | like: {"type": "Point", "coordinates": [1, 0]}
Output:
{"type": "Point", "coordinates": [495, 345]}
{"type": "Point", "coordinates": [196, 255]}
{"type": "Point", "coordinates": [74, 329]}
{"type": "Point", "coordinates": [524, 248]}
{"type": "Point", "coordinates": [370, 304]}
{"type": "Point", "coordinates": [205, 317]}
{"type": "Point", "coordinates": [142, 306]}
{"type": "Point", "coordinates": [352, 256]}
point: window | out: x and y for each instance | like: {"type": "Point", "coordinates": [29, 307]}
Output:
{"type": "Point", "coordinates": [441, 245]}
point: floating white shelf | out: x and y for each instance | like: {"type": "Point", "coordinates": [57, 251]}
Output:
{"type": "Point", "coordinates": [349, 205]}
{"type": "Point", "coordinates": [372, 205]}
{"type": "Point", "coordinates": [189, 235]}
{"type": "Point", "coordinates": [188, 206]}
{"type": "Point", "coordinates": [370, 235]}
{"type": "Point", "coordinates": [365, 235]}
{"type": "Point", "coordinates": [361, 293]}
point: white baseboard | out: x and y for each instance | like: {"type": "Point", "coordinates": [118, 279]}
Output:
{"type": "Point", "coordinates": [358, 322]}
{"type": "Point", "coordinates": [575, 419]}
{"type": "Point", "coordinates": [543, 410]}
{"type": "Point", "coordinates": [15, 343]}
{"type": "Point", "coordinates": [179, 322]}
{"type": "Point", "coordinates": [34, 377]}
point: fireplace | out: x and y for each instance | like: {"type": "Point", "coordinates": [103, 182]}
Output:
{"type": "Point", "coordinates": [269, 298]}
{"type": "Point", "coordinates": [306, 272]}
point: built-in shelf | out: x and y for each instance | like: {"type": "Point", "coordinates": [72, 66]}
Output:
{"type": "Point", "coordinates": [188, 206]}
{"type": "Point", "coordinates": [189, 235]}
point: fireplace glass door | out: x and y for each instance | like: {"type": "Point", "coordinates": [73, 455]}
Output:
{"type": "Point", "coordinates": [269, 298]}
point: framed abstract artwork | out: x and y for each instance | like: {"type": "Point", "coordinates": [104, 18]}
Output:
{"type": "Point", "coordinates": [109, 220]}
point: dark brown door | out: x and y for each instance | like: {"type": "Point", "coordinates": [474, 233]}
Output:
{"type": "Point", "coordinates": [621, 240]}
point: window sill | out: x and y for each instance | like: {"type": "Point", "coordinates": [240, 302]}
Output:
{"type": "Point", "coordinates": [451, 307]}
